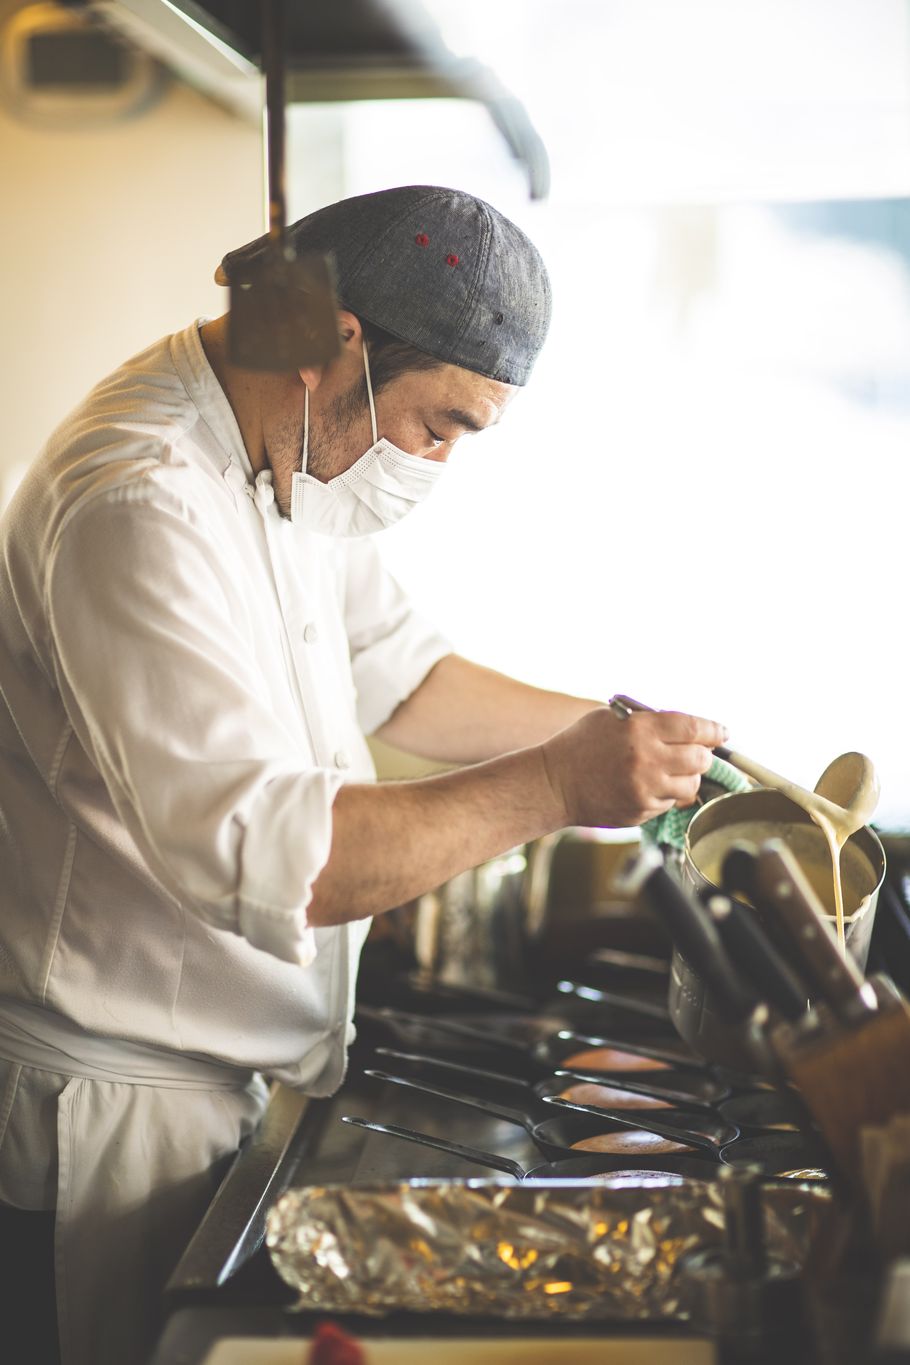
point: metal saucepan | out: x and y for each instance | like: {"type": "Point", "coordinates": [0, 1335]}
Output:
{"type": "Point", "coordinates": [471, 931]}
{"type": "Point", "coordinates": [714, 830]}
{"type": "Point", "coordinates": [756, 816]}
{"type": "Point", "coordinates": [534, 910]}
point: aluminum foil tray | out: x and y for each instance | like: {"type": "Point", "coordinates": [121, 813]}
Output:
{"type": "Point", "coordinates": [541, 1249]}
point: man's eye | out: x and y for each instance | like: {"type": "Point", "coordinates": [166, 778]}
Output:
{"type": "Point", "coordinates": [437, 440]}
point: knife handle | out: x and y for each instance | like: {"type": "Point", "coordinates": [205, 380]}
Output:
{"type": "Point", "coordinates": [782, 886]}
{"type": "Point", "coordinates": [739, 870]}
{"type": "Point", "coordinates": [692, 930]}
{"type": "Point", "coordinates": [756, 960]}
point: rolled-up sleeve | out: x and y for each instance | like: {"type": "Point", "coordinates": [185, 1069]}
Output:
{"type": "Point", "coordinates": [222, 800]}
{"type": "Point", "coordinates": [392, 646]}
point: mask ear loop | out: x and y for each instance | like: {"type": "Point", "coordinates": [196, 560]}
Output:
{"type": "Point", "coordinates": [366, 367]}
{"type": "Point", "coordinates": [306, 409]}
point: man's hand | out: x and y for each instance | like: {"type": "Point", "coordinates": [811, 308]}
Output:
{"type": "Point", "coordinates": [612, 771]}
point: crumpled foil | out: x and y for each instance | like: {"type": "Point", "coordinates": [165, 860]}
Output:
{"type": "Point", "coordinates": [541, 1249]}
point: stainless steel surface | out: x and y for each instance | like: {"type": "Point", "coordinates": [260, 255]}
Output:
{"type": "Point", "coordinates": [471, 931]}
{"type": "Point", "coordinates": [233, 1227]}
{"type": "Point", "coordinates": [501, 924]}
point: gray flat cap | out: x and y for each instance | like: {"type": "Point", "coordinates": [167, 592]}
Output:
{"type": "Point", "coordinates": [438, 268]}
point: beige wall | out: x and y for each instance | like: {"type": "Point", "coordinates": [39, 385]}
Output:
{"type": "Point", "coordinates": [108, 239]}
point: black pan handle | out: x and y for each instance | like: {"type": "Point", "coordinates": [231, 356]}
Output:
{"type": "Point", "coordinates": [643, 1120]}
{"type": "Point", "coordinates": [693, 931]}
{"type": "Point", "coordinates": [491, 1159]}
{"type": "Point", "coordinates": [675, 1057]}
{"type": "Point", "coordinates": [457, 1068]}
{"type": "Point", "coordinates": [439, 1024]}
{"type": "Point", "coordinates": [682, 1099]}
{"type": "Point", "coordinates": [595, 995]}
{"type": "Point", "coordinates": [622, 1080]}
{"type": "Point", "coordinates": [440, 1092]}
{"type": "Point", "coordinates": [739, 871]}
{"type": "Point", "coordinates": [756, 959]}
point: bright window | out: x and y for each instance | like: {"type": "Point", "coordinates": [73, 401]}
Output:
{"type": "Point", "coordinates": [701, 499]}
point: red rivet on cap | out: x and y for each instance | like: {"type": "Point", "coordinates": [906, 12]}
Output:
{"type": "Point", "coordinates": [422, 239]}
{"type": "Point", "coordinates": [451, 260]}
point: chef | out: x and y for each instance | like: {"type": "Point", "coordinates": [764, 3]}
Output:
{"type": "Point", "coordinates": [196, 635]}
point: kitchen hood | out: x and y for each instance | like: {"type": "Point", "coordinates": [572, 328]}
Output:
{"type": "Point", "coordinates": [334, 50]}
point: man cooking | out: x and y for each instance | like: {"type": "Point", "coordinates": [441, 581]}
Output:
{"type": "Point", "coordinates": [196, 634]}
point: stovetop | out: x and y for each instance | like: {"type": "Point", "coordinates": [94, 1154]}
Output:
{"type": "Point", "coordinates": [225, 1282]}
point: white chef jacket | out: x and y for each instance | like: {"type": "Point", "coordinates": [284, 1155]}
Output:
{"type": "Point", "coordinates": [186, 679]}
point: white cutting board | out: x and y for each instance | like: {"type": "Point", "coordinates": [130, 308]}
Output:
{"type": "Point", "coordinates": [518, 1351]}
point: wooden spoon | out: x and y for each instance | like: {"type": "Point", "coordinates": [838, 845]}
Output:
{"type": "Point", "coordinates": [851, 782]}
{"type": "Point", "coordinates": [845, 795]}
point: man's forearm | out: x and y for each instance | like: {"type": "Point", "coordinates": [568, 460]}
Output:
{"type": "Point", "coordinates": [395, 840]}
{"type": "Point", "coordinates": [465, 713]}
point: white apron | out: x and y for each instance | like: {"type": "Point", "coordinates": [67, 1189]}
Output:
{"type": "Point", "coordinates": [144, 1137]}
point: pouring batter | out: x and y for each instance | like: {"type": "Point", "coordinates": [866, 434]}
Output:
{"type": "Point", "coordinates": [810, 848]}
{"type": "Point", "coordinates": [848, 796]}
{"type": "Point", "coordinates": [844, 799]}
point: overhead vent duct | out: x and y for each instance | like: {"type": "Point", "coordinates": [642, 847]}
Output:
{"type": "Point", "coordinates": [335, 50]}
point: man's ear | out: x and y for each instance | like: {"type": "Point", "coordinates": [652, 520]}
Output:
{"type": "Point", "coordinates": [349, 328]}
{"type": "Point", "coordinates": [351, 334]}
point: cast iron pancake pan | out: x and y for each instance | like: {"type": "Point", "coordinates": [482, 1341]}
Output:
{"type": "Point", "coordinates": [576, 1167]}
{"type": "Point", "coordinates": [556, 1134]}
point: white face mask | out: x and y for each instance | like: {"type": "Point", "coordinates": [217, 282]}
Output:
{"type": "Point", "coordinates": [375, 492]}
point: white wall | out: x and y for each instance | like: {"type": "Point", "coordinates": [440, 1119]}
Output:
{"type": "Point", "coordinates": [109, 239]}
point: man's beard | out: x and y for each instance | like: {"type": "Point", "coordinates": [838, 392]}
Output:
{"type": "Point", "coordinates": [343, 413]}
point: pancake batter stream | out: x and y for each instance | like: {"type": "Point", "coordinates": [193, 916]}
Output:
{"type": "Point", "coordinates": [815, 847]}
